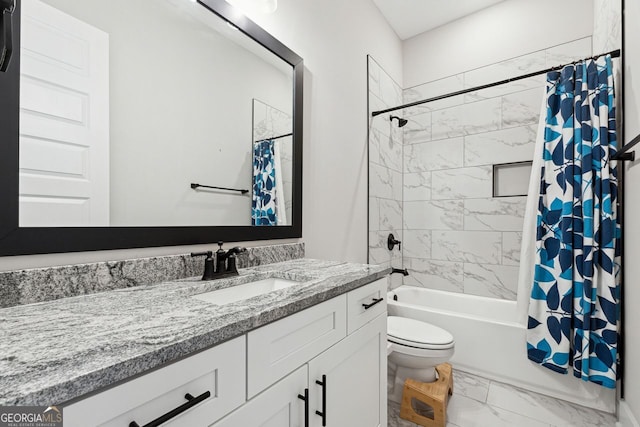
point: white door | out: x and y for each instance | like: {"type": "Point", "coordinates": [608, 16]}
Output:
{"type": "Point", "coordinates": [355, 379]}
{"type": "Point", "coordinates": [64, 120]}
{"type": "Point", "coordinates": [278, 406]}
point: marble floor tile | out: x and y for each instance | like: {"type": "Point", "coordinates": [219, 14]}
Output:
{"type": "Point", "coordinates": [394, 419]}
{"type": "Point", "coordinates": [553, 411]}
{"type": "Point", "coordinates": [471, 386]}
{"type": "Point", "coordinates": [466, 412]}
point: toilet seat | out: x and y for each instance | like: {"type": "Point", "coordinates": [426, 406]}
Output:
{"type": "Point", "coordinates": [417, 334]}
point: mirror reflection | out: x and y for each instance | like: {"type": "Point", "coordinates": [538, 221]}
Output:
{"type": "Point", "coordinates": [125, 104]}
{"type": "Point", "coordinates": [272, 165]}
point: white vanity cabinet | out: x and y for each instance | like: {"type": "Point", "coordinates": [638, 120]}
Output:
{"type": "Point", "coordinates": [343, 375]}
{"type": "Point", "coordinates": [323, 366]}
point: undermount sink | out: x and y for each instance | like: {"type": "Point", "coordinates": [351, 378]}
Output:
{"type": "Point", "coordinates": [245, 291]}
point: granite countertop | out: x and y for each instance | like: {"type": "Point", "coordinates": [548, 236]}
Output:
{"type": "Point", "coordinates": [56, 351]}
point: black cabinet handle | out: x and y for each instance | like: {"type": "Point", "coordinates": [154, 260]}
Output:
{"type": "Point", "coordinates": [323, 414]}
{"type": "Point", "coordinates": [191, 402]}
{"type": "Point", "coordinates": [306, 406]}
{"type": "Point", "coordinates": [375, 301]}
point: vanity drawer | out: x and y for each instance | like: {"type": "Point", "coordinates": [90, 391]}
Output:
{"type": "Point", "coordinates": [219, 371]}
{"type": "Point", "coordinates": [279, 348]}
{"type": "Point", "coordinates": [366, 303]}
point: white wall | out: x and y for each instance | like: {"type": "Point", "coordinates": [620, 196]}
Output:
{"type": "Point", "coordinates": [632, 209]}
{"type": "Point", "coordinates": [333, 37]}
{"type": "Point", "coordinates": [495, 34]}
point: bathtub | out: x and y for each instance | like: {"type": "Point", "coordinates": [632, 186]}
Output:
{"type": "Point", "coordinates": [489, 342]}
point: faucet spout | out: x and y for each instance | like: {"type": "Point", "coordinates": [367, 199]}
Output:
{"type": "Point", "coordinates": [404, 271]}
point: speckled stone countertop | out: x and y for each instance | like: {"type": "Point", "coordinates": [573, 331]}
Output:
{"type": "Point", "coordinates": [52, 352]}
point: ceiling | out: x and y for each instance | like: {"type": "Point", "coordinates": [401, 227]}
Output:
{"type": "Point", "coordinates": [411, 17]}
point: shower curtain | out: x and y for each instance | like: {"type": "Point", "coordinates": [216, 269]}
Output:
{"type": "Point", "coordinates": [263, 206]}
{"type": "Point", "coordinates": [573, 310]}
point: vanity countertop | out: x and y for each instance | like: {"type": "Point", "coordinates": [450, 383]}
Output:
{"type": "Point", "coordinates": [56, 351]}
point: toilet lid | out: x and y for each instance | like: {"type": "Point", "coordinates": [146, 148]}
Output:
{"type": "Point", "coordinates": [415, 333]}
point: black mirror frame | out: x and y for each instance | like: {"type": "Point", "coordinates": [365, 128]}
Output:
{"type": "Point", "coordinates": [40, 240]}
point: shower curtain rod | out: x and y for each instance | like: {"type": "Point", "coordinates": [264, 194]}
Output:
{"type": "Point", "coordinates": [275, 137]}
{"type": "Point", "coordinates": [613, 53]}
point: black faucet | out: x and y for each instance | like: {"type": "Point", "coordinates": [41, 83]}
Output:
{"type": "Point", "coordinates": [225, 262]}
{"type": "Point", "coordinates": [404, 272]}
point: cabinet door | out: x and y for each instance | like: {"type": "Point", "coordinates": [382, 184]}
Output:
{"type": "Point", "coordinates": [355, 372]}
{"type": "Point", "coordinates": [278, 406]}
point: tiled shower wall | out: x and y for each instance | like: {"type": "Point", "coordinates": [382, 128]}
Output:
{"type": "Point", "coordinates": [457, 237]}
{"type": "Point", "coordinates": [385, 169]}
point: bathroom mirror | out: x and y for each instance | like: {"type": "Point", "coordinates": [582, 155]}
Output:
{"type": "Point", "coordinates": [136, 126]}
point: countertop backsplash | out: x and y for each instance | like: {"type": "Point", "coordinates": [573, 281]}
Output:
{"type": "Point", "coordinates": [45, 284]}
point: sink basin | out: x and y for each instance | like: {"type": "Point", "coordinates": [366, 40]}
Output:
{"type": "Point", "coordinates": [245, 291]}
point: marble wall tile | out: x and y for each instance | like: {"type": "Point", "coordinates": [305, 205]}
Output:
{"type": "Point", "coordinates": [497, 281]}
{"type": "Point", "coordinates": [481, 247]}
{"type": "Point", "coordinates": [417, 186]}
{"type": "Point", "coordinates": [548, 409]}
{"type": "Point", "coordinates": [381, 122]}
{"type": "Point", "coordinates": [502, 146]}
{"type": "Point", "coordinates": [434, 274]}
{"type": "Point", "coordinates": [378, 252]}
{"type": "Point", "coordinates": [391, 154]}
{"type": "Point", "coordinates": [418, 129]}
{"type": "Point", "coordinates": [390, 91]}
{"type": "Point", "coordinates": [416, 244]}
{"type": "Point", "coordinates": [462, 183]}
{"type": "Point", "coordinates": [434, 155]}
{"type": "Point", "coordinates": [390, 215]}
{"type": "Point", "coordinates": [607, 25]}
{"type": "Point", "coordinates": [433, 215]}
{"type": "Point", "coordinates": [467, 119]}
{"type": "Point", "coordinates": [433, 89]}
{"type": "Point", "coordinates": [568, 52]}
{"type": "Point", "coordinates": [522, 108]}
{"type": "Point", "coordinates": [507, 88]}
{"type": "Point", "coordinates": [511, 246]}
{"type": "Point", "coordinates": [374, 145]}
{"type": "Point", "coordinates": [374, 213]}
{"type": "Point", "coordinates": [497, 214]}
{"type": "Point", "coordinates": [502, 70]}
{"type": "Point", "coordinates": [518, 66]}
{"type": "Point", "coordinates": [381, 181]}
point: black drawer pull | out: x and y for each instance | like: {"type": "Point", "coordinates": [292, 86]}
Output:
{"type": "Point", "coordinates": [191, 402]}
{"type": "Point", "coordinates": [323, 414]}
{"type": "Point", "coordinates": [375, 301]}
{"type": "Point", "coordinates": [306, 406]}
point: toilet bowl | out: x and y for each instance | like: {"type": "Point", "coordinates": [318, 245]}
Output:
{"type": "Point", "coordinates": [416, 348]}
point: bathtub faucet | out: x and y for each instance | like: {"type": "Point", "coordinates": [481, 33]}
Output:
{"type": "Point", "coordinates": [404, 272]}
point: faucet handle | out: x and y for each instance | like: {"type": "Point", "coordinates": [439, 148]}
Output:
{"type": "Point", "coordinates": [208, 264]}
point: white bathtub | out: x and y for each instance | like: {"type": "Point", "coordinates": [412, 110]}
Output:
{"type": "Point", "coordinates": [490, 343]}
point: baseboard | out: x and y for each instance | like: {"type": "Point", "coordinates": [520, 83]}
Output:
{"type": "Point", "coordinates": [627, 419]}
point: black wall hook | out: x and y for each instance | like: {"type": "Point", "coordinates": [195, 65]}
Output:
{"type": "Point", "coordinates": [6, 33]}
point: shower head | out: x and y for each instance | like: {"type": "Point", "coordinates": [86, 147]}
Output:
{"type": "Point", "coordinates": [401, 121]}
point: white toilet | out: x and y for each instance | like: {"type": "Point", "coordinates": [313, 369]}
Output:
{"type": "Point", "coordinates": [416, 348]}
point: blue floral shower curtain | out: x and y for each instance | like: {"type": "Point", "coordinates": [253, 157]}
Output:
{"type": "Point", "coordinates": [263, 207]}
{"type": "Point", "coordinates": [573, 311]}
